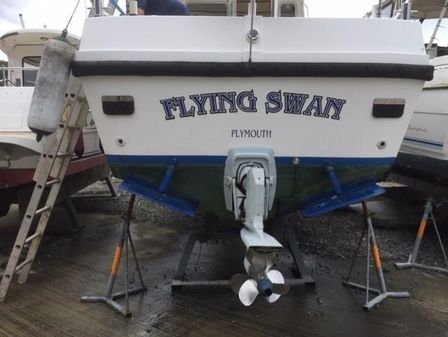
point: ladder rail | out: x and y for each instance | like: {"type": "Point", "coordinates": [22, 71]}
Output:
{"type": "Point", "coordinates": [44, 167]}
{"type": "Point", "coordinates": [51, 200]}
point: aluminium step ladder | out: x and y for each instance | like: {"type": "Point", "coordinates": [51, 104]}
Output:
{"type": "Point", "coordinates": [49, 175]}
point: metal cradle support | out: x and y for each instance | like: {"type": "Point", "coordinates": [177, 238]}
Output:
{"type": "Point", "coordinates": [303, 276]}
{"type": "Point", "coordinates": [159, 194]}
{"type": "Point", "coordinates": [341, 196]}
{"type": "Point", "coordinates": [372, 248]}
{"type": "Point", "coordinates": [411, 263]}
{"type": "Point", "coordinates": [124, 240]}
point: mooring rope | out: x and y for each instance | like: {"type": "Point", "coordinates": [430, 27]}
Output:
{"type": "Point", "coordinates": [64, 32]}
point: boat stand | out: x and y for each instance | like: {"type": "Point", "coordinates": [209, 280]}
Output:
{"type": "Point", "coordinates": [124, 240]}
{"type": "Point", "coordinates": [372, 247]}
{"type": "Point", "coordinates": [411, 263]}
{"type": "Point", "coordinates": [303, 277]}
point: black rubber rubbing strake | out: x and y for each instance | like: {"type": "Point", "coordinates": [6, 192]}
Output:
{"type": "Point", "coordinates": [254, 69]}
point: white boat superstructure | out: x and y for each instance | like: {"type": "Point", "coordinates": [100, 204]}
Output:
{"type": "Point", "coordinates": [319, 79]}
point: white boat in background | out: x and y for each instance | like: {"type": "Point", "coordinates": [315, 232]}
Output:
{"type": "Point", "coordinates": [427, 134]}
{"type": "Point", "coordinates": [19, 150]}
{"type": "Point", "coordinates": [424, 153]}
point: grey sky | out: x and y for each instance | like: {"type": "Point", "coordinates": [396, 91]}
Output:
{"type": "Point", "coordinates": [9, 10]}
{"type": "Point", "coordinates": [53, 14]}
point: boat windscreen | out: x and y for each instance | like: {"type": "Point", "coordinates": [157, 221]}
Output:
{"type": "Point", "coordinates": [30, 66]}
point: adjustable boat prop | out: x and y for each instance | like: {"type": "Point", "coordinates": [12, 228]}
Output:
{"type": "Point", "coordinates": [259, 280]}
{"type": "Point", "coordinates": [240, 118]}
{"type": "Point", "coordinates": [249, 188]}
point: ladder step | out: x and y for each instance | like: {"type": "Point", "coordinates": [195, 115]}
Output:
{"type": "Point", "coordinates": [70, 126]}
{"type": "Point", "coordinates": [63, 154]}
{"type": "Point", "coordinates": [23, 264]}
{"type": "Point", "coordinates": [74, 127]}
{"type": "Point", "coordinates": [52, 182]}
{"type": "Point", "coordinates": [43, 209]}
{"type": "Point", "coordinates": [32, 237]}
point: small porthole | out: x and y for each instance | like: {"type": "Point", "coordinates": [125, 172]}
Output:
{"type": "Point", "coordinates": [118, 105]}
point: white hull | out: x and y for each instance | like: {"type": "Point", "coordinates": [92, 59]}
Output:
{"type": "Point", "coordinates": [183, 91]}
{"type": "Point", "coordinates": [18, 146]}
{"type": "Point", "coordinates": [427, 134]}
{"type": "Point", "coordinates": [354, 133]}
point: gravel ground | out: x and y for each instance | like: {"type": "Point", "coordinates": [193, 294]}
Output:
{"type": "Point", "coordinates": [333, 235]}
{"type": "Point", "coordinates": [337, 235]}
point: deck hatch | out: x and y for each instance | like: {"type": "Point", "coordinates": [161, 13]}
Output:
{"type": "Point", "coordinates": [388, 107]}
{"type": "Point", "coordinates": [118, 105]}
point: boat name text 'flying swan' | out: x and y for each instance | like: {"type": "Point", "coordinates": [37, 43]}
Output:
{"type": "Point", "coordinates": [246, 101]}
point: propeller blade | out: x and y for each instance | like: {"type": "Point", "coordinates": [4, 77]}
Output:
{"type": "Point", "coordinates": [256, 261]}
{"type": "Point", "coordinates": [272, 298]}
{"type": "Point", "coordinates": [275, 276]}
{"type": "Point", "coordinates": [246, 265]}
{"type": "Point", "coordinates": [237, 281]}
{"type": "Point", "coordinates": [278, 282]}
{"type": "Point", "coordinates": [261, 262]}
{"type": "Point", "coordinates": [248, 292]}
{"type": "Point", "coordinates": [280, 288]}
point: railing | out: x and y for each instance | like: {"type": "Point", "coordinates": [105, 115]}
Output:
{"type": "Point", "coordinates": [398, 9]}
{"type": "Point", "coordinates": [18, 76]}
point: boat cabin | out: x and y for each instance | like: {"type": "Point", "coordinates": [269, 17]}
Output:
{"type": "Point", "coordinates": [283, 8]}
{"type": "Point", "coordinates": [23, 49]}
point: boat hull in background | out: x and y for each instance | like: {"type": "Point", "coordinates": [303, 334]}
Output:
{"type": "Point", "coordinates": [424, 152]}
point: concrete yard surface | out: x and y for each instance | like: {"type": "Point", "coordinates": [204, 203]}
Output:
{"type": "Point", "coordinates": [70, 266]}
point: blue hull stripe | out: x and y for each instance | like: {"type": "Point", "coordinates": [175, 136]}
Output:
{"type": "Point", "coordinates": [121, 160]}
{"type": "Point", "coordinates": [422, 141]}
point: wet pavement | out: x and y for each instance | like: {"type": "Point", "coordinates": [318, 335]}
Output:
{"type": "Point", "coordinates": [72, 265]}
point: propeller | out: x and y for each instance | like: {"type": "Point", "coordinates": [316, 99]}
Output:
{"type": "Point", "coordinates": [260, 280]}
{"type": "Point", "coordinates": [256, 263]}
